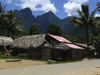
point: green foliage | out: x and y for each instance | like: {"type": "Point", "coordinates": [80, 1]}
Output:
{"type": "Point", "coordinates": [86, 21]}
{"type": "Point", "coordinates": [0, 53]}
{"type": "Point", "coordinates": [54, 29]}
{"type": "Point", "coordinates": [98, 4]}
{"type": "Point", "coordinates": [76, 32]}
{"type": "Point", "coordinates": [9, 24]}
{"type": "Point", "coordinates": [95, 39]}
{"type": "Point", "coordinates": [2, 16]}
{"type": "Point", "coordinates": [22, 55]}
{"type": "Point", "coordinates": [33, 30]}
{"type": "Point", "coordinates": [2, 8]}
{"type": "Point", "coordinates": [78, 39]}
{"type": "Point", "coordinates": [19, 56]}
{"type": "Point", "coordinates": [25, 33]}
{"type": "Point", "coordinates": [59, 62]}
{"type": "Point", "coordinates": [12, 23]}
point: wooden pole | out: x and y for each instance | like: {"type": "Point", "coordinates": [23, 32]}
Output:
{"type": "Point", "coordinates": [4, 46]}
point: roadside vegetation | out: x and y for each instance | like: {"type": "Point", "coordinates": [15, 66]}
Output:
{"type": "Point", "coordinates": [59, 62]}
{"type": "Point", "coordinates": [19, 56]}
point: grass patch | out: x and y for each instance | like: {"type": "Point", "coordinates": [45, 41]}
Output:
{"type": "Point", "coordinates": [19, 56]}
{"type": "Point", "coordinates": [59, 62]}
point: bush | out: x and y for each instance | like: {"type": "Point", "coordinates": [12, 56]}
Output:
{"type": "Point", "coordinates": [22, 55]}
{"type": "Point", "coordinates": [0, 53]}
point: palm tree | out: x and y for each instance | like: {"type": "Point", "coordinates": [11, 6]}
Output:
{"type": "Point", "coordinates": [98, 4]}
{"type": "Point", "coordinates": [95, 36]}
{"type": "Point", "coordinates": [2, 8]}
{"type": "Point", "coordinates": [12, 23]}
{"type": "Point", "coordinates": [86, 20]}
{"type": "Point", "coordinates": [95, 39]}
{"type": "Point", "coordinates": [2, 17]}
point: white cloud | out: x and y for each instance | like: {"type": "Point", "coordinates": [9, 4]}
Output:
{"type": "Point", "coordinates": [97, 15]}
{"type": "Point", "coordinates": [46, 5]}
{"type": "Point", "coordinates": [7, 1]}
{"type": "Point", "coordinates": [79, 1]}
{"type": "Point", "coordinates": [71, 7]}
{"type": "Point", "coordinates": [69, 15]}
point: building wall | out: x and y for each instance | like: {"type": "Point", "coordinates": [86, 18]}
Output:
{"type": "Point", "coordinates": [42, 54]}
{"type": "Point", "coordinates": [46, 54]}
{"type": "Point", "coordinates": [77, 54]}
{"type": "Point", "coordinates": [34, 53]}
{"type": "Point", "coordinates": [54, 54]}
{"type": "Point", "coordinates": [54, 42]}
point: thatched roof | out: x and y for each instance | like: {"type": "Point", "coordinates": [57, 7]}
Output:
{"type": "Point", "coordinates": [61, 46]}
{"type": "Point", "coordinates": [32, 41]}
{"type": "Point", "coordinates": [85, 46]}
{"type": "Point", "coordinates": [7, 40]}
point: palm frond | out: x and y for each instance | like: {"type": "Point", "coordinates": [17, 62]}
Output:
{"type": "Point", "coordinates": [85, 10]}
{"type": "Point", "coordinates": [82, 15]}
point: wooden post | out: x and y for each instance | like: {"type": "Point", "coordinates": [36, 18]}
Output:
{"type": "Point", "coordinates": [4, 46]}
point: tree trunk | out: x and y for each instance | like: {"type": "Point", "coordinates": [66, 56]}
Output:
{"type": "Point", "coordinates": [8, 32]}
{"type": "Point", "coordinates": [4, 45]}
{"type": "Point", "coordinates": [87, 42]}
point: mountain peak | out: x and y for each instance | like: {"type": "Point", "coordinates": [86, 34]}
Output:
{"type": "Point", "coordinates": [26, 11]}
{"type": "Point", "coordinates": [50, 12]}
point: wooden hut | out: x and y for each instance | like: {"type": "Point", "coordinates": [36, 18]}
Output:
{"type": "Point", "coordinates": [63, 48]}
{"type": "Point", "coordinates": [47, 46]}
{"type": "Point", "coordinates": [92, 50]}
{"type": "Point", "coordinates": [36, 46]}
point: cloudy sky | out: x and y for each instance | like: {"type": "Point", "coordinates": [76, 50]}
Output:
{"type": "Point", "coordinates": [61, 8]}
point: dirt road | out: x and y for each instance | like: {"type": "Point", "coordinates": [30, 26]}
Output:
{"type": "Point", "coordinates": [78, 68]}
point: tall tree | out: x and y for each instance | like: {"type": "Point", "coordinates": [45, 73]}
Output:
{"type": "Point", "coordinates": [95, 39]}
{"type": "Point", "coordinates": [33, 30]}
{"type": "Point", "coordinates": [98, 4]}
{"type": "Point", "coordinates": [2, 19]}
{"type": "Point", "coordinates": [54, 29]}
{"type": "Point", "coordinates": [12, 23]}
{"type": "Point", "coordinates": [86, 20]}
{"type": "Point", "coordinates": [2, 8]}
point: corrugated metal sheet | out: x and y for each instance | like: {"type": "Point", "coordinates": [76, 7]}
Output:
{"type": "Point", "coordinates": [65, 41]}
{"type": "Point", "coordinates": [59, 38]}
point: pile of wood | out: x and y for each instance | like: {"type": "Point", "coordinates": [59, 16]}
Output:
{"type": "Point", "coordinates": [14, 60]}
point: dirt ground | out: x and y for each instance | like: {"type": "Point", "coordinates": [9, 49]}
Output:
{"type": "Point", "coordinates": [27, 63]}
{"type": "Point", "coordinates": [19, 64]}
{"type": "Point", "coordinates": [24, 63]}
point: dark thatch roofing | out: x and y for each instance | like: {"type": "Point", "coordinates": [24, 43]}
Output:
{"type": "Point", "coordinates": [61, 46]}
{"type": "Point", "coordinates": [85, 46]}
{"type": "Point", "coordinates": [32, 41]}
{"type": "Point", "coordinates": [7, 40]}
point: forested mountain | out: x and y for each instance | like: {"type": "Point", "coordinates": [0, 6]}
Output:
{"type": "Point", "coordinates": [42, 21]}
{"type": "Point", "coordinates": [76, 32]}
